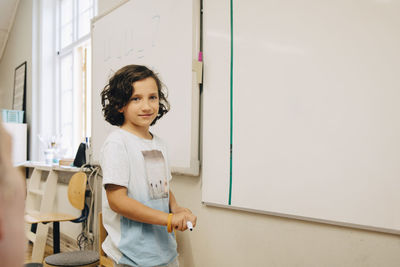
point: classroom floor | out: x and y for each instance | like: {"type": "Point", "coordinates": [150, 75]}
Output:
{"type": "Point", "coordinates": [28, 254]}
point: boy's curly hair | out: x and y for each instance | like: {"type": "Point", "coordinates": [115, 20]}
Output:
{"type": "Point", "coordinates": [118, 91]}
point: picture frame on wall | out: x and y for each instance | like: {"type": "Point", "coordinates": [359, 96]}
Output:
{"type": "Point", "coordinates": [19, 94]}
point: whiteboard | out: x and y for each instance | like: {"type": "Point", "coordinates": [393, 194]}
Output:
{"type": "Point", "coordinates": [315, 110]}
{"type": "Point", "coordinates": [163, 35]}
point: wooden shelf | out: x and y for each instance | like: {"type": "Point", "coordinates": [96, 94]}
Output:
{"type": "Point", "coordinates": [44, 167]}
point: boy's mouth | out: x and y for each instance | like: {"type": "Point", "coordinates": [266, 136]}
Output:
{"type": "Point", "coordinates": [146, 115]}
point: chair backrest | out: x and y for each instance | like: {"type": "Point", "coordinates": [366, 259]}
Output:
{"type": "Point", "coordinates": [76, 190]}
{"type": "Point", "coordinates": [104, 260]}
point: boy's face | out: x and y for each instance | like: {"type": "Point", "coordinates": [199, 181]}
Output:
{"type": "Point", "coordinates": [143, 105]}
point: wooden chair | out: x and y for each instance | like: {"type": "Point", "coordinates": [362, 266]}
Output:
{"type": "Point", "coordinates": [76, 196]}
{"type": "Point", "coordinates": [104, 260]}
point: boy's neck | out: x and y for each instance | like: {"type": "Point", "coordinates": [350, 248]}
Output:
{"type": "Point", "coordinates": [142, 132]}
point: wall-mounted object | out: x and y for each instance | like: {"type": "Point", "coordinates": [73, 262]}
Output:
{"type": "Point", "coordinates": [19, 93]}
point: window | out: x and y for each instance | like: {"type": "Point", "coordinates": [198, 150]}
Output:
{"type": "Point", "coordinates": [74, 72]}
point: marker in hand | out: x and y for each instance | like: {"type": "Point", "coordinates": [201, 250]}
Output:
{"type": "Point", "coordinates": [189, 225]}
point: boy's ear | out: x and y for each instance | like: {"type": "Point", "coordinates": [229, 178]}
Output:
{"type": "Point", "coordinates": [121, 110]}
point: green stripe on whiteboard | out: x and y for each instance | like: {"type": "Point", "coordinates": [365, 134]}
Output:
{"type": "Point", "coordinates": [231, 134]}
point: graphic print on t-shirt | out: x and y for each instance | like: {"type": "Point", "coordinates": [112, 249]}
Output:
{"type": "Point", "coordinates": [156, 174]}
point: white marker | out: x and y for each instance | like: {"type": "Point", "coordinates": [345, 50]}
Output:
{"type": "Point", "coordinates": [189, 225]}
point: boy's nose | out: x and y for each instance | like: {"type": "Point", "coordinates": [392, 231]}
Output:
{"type": "Point", "coordinates": [146, 105]}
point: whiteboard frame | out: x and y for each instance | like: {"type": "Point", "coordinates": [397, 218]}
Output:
{"type": "Point", "coordinates": [219, 201]}
{"type": "Point", "coordinates": [302, 218]}
{"type": "Point", "coordinates": [194, 169]}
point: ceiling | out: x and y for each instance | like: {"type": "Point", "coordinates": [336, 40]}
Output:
{"type": "Point", "coordinates": [8, 9]}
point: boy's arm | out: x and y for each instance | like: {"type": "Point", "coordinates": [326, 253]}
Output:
{"type": "Point", "coordinates": [130, 208]}
{"type": "Point", "coordinates": [173, 205]}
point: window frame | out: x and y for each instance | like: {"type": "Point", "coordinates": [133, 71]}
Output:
{"type": "Point", "coordinates": [80, 125]}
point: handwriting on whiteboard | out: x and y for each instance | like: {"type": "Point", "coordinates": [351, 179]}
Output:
{"type": "Point", "coordinates": [134, 41]}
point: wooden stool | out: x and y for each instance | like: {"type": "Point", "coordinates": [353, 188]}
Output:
{"type": "Point", "coordinates": [33, 264]}
{"type": "Point", "coordinates": [82, 258]}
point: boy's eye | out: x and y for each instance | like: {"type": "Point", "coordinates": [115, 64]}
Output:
{"type": "Point", "coordinates": [153, 97]}
{"type": "Point", "coordinates": [135, 99]}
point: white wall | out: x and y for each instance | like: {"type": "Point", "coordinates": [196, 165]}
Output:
{"type": "Point", "coordinates": [106, 5]}
{"type": "Point", "coordinates": [17, 50]}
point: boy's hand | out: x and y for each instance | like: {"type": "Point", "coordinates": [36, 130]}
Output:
{"type": "Point", "coordinates": [180, 219]}
{"type": "Point", "coordinates": [178, 209]}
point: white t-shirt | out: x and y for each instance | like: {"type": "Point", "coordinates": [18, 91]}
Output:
{"type": "Point", "coordinates": [142, 167]}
